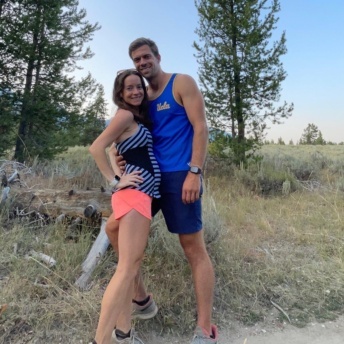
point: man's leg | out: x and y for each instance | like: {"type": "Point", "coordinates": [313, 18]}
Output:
{"type": "Point", "coordinates": [186, 221]}
{"type": "Point", "coordinates": [202, 274]}
{"type": "Point", "coordinates": [111, 229]}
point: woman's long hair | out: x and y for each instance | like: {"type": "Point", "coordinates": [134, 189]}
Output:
{"type": "Point", "coordinates": [118, 88]}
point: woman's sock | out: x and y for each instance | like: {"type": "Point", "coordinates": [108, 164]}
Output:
{"type": "Point", "coordinates": [121, 335]}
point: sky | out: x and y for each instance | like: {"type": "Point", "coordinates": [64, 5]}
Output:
{"type": "Point", "coordinates": [314, 62]}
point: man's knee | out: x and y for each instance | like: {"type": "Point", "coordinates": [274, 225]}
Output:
{"type": "Point", "coordinates": [193, 244]}
{"type": "Point", "coordinates": [112, 230]}
{"type": "Point", "coordinates": [111, 227]}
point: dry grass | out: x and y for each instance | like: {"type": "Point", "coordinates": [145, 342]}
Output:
{"type": "Point", "coordinates": [286, 250]}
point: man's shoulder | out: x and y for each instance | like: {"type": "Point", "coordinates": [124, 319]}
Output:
{"type": "Point", "coordinates": [178, 78]}
{"type": "Point", "coordinates": [184, 78]}
{"type": "Point", "coordinates": [184, 83]}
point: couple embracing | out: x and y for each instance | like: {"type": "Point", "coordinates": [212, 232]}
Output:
{"type": "Point", "coordinates": [161, 135]}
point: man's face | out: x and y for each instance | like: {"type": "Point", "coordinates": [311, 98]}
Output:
{"type": "Point", "coordinates": [146, 63]}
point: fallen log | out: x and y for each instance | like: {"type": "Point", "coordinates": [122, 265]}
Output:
{"type": "Point", "coordinates": [4, 195]}
{"type": "Point", "coordinates": [97, 251]}
{"type": "Point", "coordinates": [92, 209]}
{"type": "Point", "coordinates": [14, 177]}
{"type": "Point", "coordinates": [91, 205]}
{"type": "Point", "coordinates": [51, 262]}
{"type": "Point", "coordinates": [56, 202]}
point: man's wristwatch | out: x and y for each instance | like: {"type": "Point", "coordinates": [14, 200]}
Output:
{"type": "Point", "coordinates": [115, 181]}
{"type": "Point", "coordinates": [195, 169]}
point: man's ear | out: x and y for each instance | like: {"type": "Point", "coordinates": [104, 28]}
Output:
{"type": "Point", "coordinates": [159, 58]}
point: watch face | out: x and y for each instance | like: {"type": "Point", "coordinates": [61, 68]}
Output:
{"type": "Point", "coordinates": [195, 169]}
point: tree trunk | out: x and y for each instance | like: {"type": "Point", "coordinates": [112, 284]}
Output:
{"type": "Point", "coordinates": [239, 146]}
{"type": "Point", "coordinates": [19, 153]}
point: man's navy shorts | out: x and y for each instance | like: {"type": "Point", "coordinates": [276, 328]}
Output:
{"type": "Point", "coordinates": [180, 218]}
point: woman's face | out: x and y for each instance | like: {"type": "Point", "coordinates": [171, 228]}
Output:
{"type": "Point", "coordinates": [133, 92]}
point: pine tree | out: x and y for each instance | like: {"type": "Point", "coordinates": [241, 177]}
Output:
{"type": "Point", "coordinates": [92, 121]}
{"type": "Point", "coordinates": [240, 69]}
{"type": "Point", "coordinates": [320, 140]}
{"type": "Point", "coordinates": [312, 136]}
{"type": "Point", "coordinates": [280, 141]}
{"type": "Point", "coordinates": [42, 43]}
{"type": "Point", "coordinates": [9, 102]}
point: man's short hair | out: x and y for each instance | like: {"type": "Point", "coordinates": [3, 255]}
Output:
{"type": "Point", "coordinates": [139, 42]}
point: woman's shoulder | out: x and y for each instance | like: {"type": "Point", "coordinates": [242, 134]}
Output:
{"type": "Point", "coordinates": [124, 115]}
{"type": "Point", "coordinates": [124, 112]}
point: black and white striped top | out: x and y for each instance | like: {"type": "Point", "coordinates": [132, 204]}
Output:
{"type": "Point", "coordinates": [137, 151]}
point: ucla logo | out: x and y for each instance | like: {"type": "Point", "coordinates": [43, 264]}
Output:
{"type": "Point", "coordinates": [164, 106]}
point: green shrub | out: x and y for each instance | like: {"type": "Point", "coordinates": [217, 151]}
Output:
{"type": "Point", "coordinates": [264, 179]}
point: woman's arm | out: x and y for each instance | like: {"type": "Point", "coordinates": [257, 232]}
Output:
{"type": "Point", "coordinates": [119, 124]}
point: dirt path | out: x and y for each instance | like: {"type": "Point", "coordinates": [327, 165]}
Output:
{"type": "Point", "coordinates": [314, 333]}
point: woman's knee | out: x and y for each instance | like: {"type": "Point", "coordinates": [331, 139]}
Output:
{"type": "Point", "coordinates": [130, 264]}
{"type": "Point", "coordinates": [128, 271]}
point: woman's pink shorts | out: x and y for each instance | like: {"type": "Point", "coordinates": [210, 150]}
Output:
{"type": "Point", "coordinates": [127, 199]}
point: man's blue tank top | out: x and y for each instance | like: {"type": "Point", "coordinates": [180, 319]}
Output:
{"type": "Point", "coordinates": [172, 131]}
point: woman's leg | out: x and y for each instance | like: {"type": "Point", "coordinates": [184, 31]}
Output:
{"type": "Point", "coordinates": [140, 293]}
{"type": "Point", "coordinates": [111, 229]}
{"type": "Point", "coordinates": [132, 241]}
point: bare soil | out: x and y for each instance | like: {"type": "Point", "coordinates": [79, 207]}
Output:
{"type": "Point", "coordinates": [315, 333]}
{"type": "Point", "coordinates": [331, 332]}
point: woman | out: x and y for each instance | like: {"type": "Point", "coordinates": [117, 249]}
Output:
{"type": "Point", "coordinates": [131, 200]}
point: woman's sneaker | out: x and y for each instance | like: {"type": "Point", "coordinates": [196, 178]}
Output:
{"type": "Point", "coordinates": [133, 339]}
{"type": "Point", "coordinates": [202, 337]}
{"type": "Point", "coordinates": [147, 311]}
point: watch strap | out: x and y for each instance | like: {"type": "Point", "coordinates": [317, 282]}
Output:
{"type": "Point", "coordinates": [115, 181]}
{"type": "Point", "coordinates": [195, 169]}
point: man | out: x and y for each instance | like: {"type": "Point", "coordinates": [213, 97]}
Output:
{"type": "Point", "coordinates": [180, 136]}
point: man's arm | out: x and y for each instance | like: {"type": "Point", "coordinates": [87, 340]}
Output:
{"type": "Point", "coordinates": [189, 95]}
